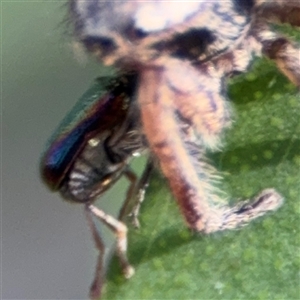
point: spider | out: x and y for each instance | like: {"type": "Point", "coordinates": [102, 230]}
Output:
{"type": "Point", "coordinates": [184, 52]}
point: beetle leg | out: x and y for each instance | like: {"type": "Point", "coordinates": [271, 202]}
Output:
{"type": "Point", "coordinates": [140, 196]}
{"type": "Point", "coordinates": [135, 194]}
{"type": "Point", "coordinates": [131, 176]}
{"type": "Point", "coordinates": [120, 231]}
{"type": "Point", "coordinates": [96, 287]}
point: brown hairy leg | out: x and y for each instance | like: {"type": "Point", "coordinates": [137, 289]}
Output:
{"type": "Point", "coordinates": [280, 11]}
{"type": "Point", "coordinates": [285, 53]}
{"type": "Point", "coordinates": [159, 121]}
{"type": "Point", "coordinates": [193, 195]}
{"type": "Point", "coordinates": [280, 49]}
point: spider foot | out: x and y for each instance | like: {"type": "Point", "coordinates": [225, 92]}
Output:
{"type": "Point", "coordinates": [246, 211]}
{"type": "Point", "coordinates": [267, 200]}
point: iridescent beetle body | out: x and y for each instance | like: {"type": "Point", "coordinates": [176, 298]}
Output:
{"type": "Point", "coordinates": [91, 150]}
{"type": "Point", "coordinates": [95, 116]}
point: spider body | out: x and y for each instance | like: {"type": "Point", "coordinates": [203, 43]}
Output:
{"type": "Point", "coordinates": [184, 53]}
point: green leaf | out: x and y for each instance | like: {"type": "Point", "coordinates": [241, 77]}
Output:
{"type": "Point", "coordinates": [260, 261]}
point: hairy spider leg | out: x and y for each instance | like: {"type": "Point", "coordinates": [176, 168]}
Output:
{"type": "Point", "coordinates": [282, 11]}
{"type": "Point", "coordinates": [159, 121]}
{"type": "Point", "coordinates": [285, 53]}
{"type": "Point", "coordinates": [156, 96]}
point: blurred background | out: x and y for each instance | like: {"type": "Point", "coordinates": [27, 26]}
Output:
{"type": "Point", "coordinates": [47, 250]}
